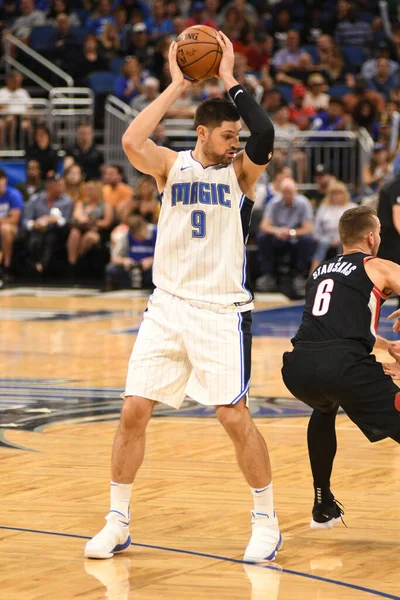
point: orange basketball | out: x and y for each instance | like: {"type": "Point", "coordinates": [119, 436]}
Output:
{"type": "Point", "coordinates": [199, 53]}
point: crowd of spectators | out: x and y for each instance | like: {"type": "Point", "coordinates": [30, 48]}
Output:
{"type": "Point", "coordinates": [83, 221]}
{"type": "Point", "coordinates": [314, 65]}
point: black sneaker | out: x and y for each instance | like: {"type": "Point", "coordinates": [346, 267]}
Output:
{"type": "Point", "coordinates": [325, 515]}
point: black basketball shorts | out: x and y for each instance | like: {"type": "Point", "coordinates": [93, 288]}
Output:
{"type": "Point", "coordinates": [327, 374]}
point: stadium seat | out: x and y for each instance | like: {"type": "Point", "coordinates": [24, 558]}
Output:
{"type": "Point", "coordinates": [82, 14]}
{"type": "Point", "coordinates": [40, 38]}
{"type": "Point", "coordinates": [285, 90]}
{"type": "Point", "coordinates": [102, 82]}
{"type": "Point", "coordinates": [116, 65]}
{"type": "Point", "coordinates": [312, 50]}
{"type": "Point", "coordinates": [338, 90]}
{"type": "Point", "coordinates": [80, 33]}
{"type": "Point", "coordinates": [353, 54]}
{"type": "Point", "coordinates": [366, 16]}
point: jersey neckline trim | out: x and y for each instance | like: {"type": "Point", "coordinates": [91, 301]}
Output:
{"type": "Point", "coordinates": [198, 162]}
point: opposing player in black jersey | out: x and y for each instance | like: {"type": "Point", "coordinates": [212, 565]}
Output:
{"type": "Point", "coordinates": [331, 364]}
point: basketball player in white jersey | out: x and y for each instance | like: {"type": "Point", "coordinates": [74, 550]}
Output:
{"type": "Point", "coordinates": [195, 337]}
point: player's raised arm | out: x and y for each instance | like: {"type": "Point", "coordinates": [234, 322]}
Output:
{"type": "Point", "coordinates": [142, 152]}
{"type": "Point", "coordinates": [259, 147]}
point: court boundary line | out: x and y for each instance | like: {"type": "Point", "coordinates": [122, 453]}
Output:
{"type": "Point", "coordinates": [221, 558]}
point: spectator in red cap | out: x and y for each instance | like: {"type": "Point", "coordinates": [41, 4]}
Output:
{"type": "Point", "coordinates": [300, 113]}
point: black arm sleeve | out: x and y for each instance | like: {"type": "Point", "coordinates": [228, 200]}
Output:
{"type": "Point", "coordinates": [260, 145]}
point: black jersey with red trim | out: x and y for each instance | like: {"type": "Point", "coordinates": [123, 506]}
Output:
{"type": "Point", "coordinates": [342, 303]}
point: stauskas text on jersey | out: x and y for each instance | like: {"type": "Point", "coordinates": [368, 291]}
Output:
{"type": "Point", "coordinates": [345, 268]}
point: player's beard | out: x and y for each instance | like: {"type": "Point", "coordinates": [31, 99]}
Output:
{"type": "Point", "coordinates": [213, 157]}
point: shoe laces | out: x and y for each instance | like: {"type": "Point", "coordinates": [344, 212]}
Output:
{"type": "Point", "coordinates": [340, 508]}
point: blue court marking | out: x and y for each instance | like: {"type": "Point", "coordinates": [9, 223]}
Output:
{"type": "Point", "coordinates": [284, 321]}
{"type": "Point", "coordinates": [222, 558]}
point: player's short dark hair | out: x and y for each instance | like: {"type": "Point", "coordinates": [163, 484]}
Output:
{"type": "Point", "coordinates": [214, 111]}
{"type": "Point", "coordinates": [3, 174]}
{"type": "Point", "coordinates": [355, 223]}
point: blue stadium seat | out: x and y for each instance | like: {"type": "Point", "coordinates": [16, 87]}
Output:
{"type": "Point", "coordinates": [15, 171]}
{"type": "Point", "coordinates": [366, 16]}
{"type": "Point", "coordinates": [80, 33]}
{"type": "Point", "coordinates": [353, 54]}
{"type": "Point", "coordinates": [116, 65]}
{"type": "Point", "coordinates": [339, 90]}
{"type": "Point", "coordinates": [285, 90]}
{"type": "Point", "coordinates": [40, 38]}
{"type": "Point", "coordinates": [311, 49]}
{"type": "Point", "coordinates": [102, 82]}
{"type": "Point", "coordinates": [82, 14]}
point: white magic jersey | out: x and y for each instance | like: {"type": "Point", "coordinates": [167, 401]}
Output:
{"type": "Point", "coordinates": [202, 230]}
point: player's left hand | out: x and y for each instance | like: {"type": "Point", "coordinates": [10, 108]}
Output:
{"type": "Point", "coordinates": [396, 324]}
{"type": "Point", "coordinates": [395, 346]}
{"type": "Point", "coordinates": [228, 56]}
{"type": "Point", "coordinates": [176, 74]}
{"type": "Point", "coordinates": [393, 369]}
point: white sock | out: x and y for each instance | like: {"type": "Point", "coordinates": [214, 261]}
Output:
{"type": "Point", "coordinates": [264, 500]}
{"type": "Point", "coordinates": [120, 497]}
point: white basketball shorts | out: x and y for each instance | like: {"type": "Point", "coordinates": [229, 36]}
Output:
{"type": "Point", "coordinates": [182, 349]}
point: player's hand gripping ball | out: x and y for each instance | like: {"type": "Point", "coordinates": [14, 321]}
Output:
{"type": "Point", "coordinates": [199, 53]}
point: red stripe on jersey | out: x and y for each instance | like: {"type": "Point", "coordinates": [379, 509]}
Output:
{"type": "Point", "coordinates": [397, 401]}
{"type": "Point", "coordinates": [375, 292]}
{"type": "Point", "coordinates": [367, 258]}
{"type": "Point", "coordinates": [382, 294]}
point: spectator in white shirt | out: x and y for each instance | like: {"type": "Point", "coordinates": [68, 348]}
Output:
{"type": "Point", "coordinates": [326, 226]}
{"type": "Point", "coordinates": [29, 18]}
{"type": "Point", "coordinates": [315, 96]}
{"type": "Point", "coordinates": [286, 130]}
{"type": "Point", "coordinates": [151, 88]}
{"type": "Point", "coordinates": [14, 103]}
{"type": "Point", "coordinates": [288, 58]}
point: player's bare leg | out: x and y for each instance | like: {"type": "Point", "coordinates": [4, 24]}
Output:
{"type": "Point", "coordinates": [127, 457]}
{"type": "Point", "coordinates": [253, 460]}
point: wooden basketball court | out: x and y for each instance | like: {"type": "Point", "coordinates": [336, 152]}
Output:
{"type": "Point", "coordinates": [63, 365]}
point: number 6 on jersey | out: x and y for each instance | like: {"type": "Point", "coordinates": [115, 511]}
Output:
{"type": "Point", "coordinates": [323, 298]}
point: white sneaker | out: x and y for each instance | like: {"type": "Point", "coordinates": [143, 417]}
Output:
{"type": "Point", "coordinates": [113, 538]}
{"type": "Point", "coordinates": [265, 540]}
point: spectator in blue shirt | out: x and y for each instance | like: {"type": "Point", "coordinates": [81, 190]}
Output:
{"type": "Point", "coordinates": [100, 17]}
{"type": "Point", "coordinates": [352, 31]}
{"type": "Point", "coordinates": [158, 25]}
{"type": "Point", "coordinates": [133, 6]}
{"type": "Point", "coordinates": [286, 227]}
{"type": "Point", "coordinates": [383, 82]}
{"type": "Point", "coordinates": [132, 255]}
{"type": "Point", "coordinates": [46, 221]}
{"type": "Point", "coordinates": [128, 84]}
{"type": "Point", "coordinates": [11, 207]}
{"type": "Point", "coordinates": [331, 119]}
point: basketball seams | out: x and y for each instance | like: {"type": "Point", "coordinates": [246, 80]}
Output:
{"type": "Point", "coordinates": [201, 58]}
{"type": "Point", "coordinates": [193, 69]}
{"type": "Point", "coordinates": [214, 37]}
{"type": "Point", "coordinates": [191, 43]}
{"type": "Point", "coordinates": [212, 66]}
